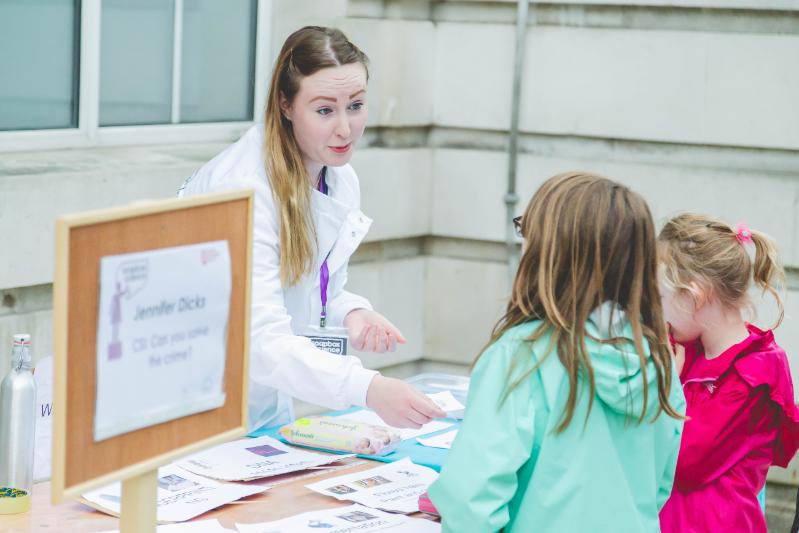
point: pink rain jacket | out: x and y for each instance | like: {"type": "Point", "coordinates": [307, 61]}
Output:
{"type": "Point", "coordinates": [742, 420]}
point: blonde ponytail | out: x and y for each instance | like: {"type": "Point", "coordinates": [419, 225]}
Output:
{"type": "Point", "coordinates": [768, 272]}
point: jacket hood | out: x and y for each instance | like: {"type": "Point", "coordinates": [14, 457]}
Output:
{"type": "Point", "coordinates": [618, 375]}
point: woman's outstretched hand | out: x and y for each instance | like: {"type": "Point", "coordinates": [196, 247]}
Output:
{"type": "Point", "coordinates": [369, 331]}
{"type": "Point", "coordinates": [399, 404]}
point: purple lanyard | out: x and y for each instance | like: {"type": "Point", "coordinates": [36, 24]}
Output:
{"type": "Point", "coordinates": [324, 273]}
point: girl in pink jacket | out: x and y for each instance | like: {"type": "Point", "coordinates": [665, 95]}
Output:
{"type": "Point", "coordinates": [741, 412]}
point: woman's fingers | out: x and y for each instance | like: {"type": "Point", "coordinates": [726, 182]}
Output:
{"type": "Point", "coordinates": [360, 341]}
{"type": "Point", "coordinates": [382, 341]}
{"type": "Point", "coordinates": [391, 329]}
{"type": "Point", "coordinates": [417, 418]}
{"type": "Point", "coordinates": [426, 407]}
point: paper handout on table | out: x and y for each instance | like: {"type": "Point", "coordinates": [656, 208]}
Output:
{"type": "Point", "coordinates": [201, 526]}
{"type": "Point", "coordinates": [443, 440]}
{"type": "Point", "coordinates": [393, 487]}
{"type": "Point", "coordinates": [370, 417]}
{"type": "Point", "coordinates": [181, 495]}
{"type": "Point", "coordinates": [352, 519]}
{"type": "Point", "coordinates": [246, 459]}
{"type": "Point", "coordinates": [446, 401]}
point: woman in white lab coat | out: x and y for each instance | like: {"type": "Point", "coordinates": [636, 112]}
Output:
{"type": "Point", "coordinates": [307, 223]}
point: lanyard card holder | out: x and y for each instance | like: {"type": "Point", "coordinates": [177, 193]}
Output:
{"type": "Point", "coordinates": [329, 339]}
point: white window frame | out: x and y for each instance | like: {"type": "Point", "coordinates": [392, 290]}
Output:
{"type": "Point", "coordinates": [89, 133]}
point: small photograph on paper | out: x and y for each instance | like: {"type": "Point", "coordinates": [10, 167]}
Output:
{"type": "Point", "coordinates": [371, 482]}
{"type": "Point", "coordinates": [394, 487]}
{"type": "Point", "coordinates": [357, 516]}
{"type": "Point", "coordinates": [266, 450]}
{"type": "Point", "coordinates": [341, 489]}
{"type": "Point", "coordinates": [175, 483]}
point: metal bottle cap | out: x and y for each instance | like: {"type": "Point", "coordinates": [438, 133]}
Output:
{"type": "Point", "coordinates": [22, 344]}
{"type": "Point", "coordinates": [22, 338]}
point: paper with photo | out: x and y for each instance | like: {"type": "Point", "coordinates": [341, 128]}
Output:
{"type": "Point", "coordinates": [181, 495]}
{"type": "Point", "coordinates": [370, 417]}
{"type": "Point", "coordinates": [352, 519]}
{"type": "Point", "coordinates": [246, 459]}
{"type": "Point", "coordinates": [446, 401]}
{"type": "Point", "coordinates": [392, 487]}
{"type": "Point", "coordinates": [201, 526]}
{"type": "Point", "coordinates": [162, 320]}
{"type": "Point", "coordinates": [442, 440]}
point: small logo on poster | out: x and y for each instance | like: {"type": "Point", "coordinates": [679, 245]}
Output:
{"type": "Point", "coordinates": [207, 255]}
{"type": "Point", "coordinates": [131, 278]}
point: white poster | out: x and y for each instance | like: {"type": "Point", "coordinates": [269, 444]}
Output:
{"type": "Point", "coordinates": [246, 459]}
{"type": "Point", "coordinates": [352, 519]}
{"type": "Point", "coordinates": [180, 495]}
{"type": "Point", "coordinates": [392, 487]}
{"type": "Point", "coordinates": [161, 335]}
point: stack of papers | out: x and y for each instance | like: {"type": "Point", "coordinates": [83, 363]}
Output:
{"type": "Point", "coordinates": [248, 459]}
{"type": "Point", "coordinates": [392, 487]}
{"type": "Point", "coordinates": [354, 518]}
{"type": "Point", "coordinates": [446, 401]}
{"type": "Point", "coordinates": [442, 440]}
{"type": "Point", "coordinates": [181, 495]}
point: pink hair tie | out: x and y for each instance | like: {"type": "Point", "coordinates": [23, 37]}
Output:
{"type": "Point", "coordinates": [744, 234]}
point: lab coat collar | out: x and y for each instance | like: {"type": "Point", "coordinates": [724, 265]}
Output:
{"type": "Point", "coordinates": [339, 230]}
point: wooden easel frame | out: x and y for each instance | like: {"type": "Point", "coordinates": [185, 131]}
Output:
{"type": "Point", "coordinates": [79, 463]}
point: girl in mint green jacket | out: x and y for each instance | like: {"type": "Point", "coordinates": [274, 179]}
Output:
{"type": "Point", "coordinates": [574, 414]}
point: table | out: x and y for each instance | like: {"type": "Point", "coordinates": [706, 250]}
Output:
{"type": "Point", "coordinates": [287, 498]}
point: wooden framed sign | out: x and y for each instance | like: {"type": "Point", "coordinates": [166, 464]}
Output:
{"type": "Point", "coordinates": [151, 336]}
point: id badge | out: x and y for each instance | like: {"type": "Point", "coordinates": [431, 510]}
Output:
{"type": "Point", "coordinates": [329, 339]}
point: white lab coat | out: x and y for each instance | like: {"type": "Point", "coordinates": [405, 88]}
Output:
{"type": "Point", "coordinates": [283, 364]}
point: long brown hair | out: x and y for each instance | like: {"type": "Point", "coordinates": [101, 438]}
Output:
{"type": "Point", "coordinates": [588, 240]}
{"type": "Point", "coordinates": [707, 251]}
{"type": "Point", "coordinates": [305, 52]}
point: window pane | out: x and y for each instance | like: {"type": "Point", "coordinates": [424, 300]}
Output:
{"type": "Point", "coordinates": [136, 62]}
{"type": "Point", "coordinates": [218, 60]}
{"type": "Point", "coordinates": [38, 74]}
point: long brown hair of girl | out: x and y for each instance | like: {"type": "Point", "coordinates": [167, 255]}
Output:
{"type": "Point", "coordinates": [589, 240]}
{"type": "Point", "coordinates": [305, 52]}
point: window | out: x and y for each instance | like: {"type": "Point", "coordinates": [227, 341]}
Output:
{"type": "Point", "coordinates": [111, 71]}
{"type": "Point", "coordinates": [38, 51]}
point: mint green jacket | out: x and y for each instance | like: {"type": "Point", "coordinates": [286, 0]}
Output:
{"type": "Point", "coordinates": [508, 469]}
